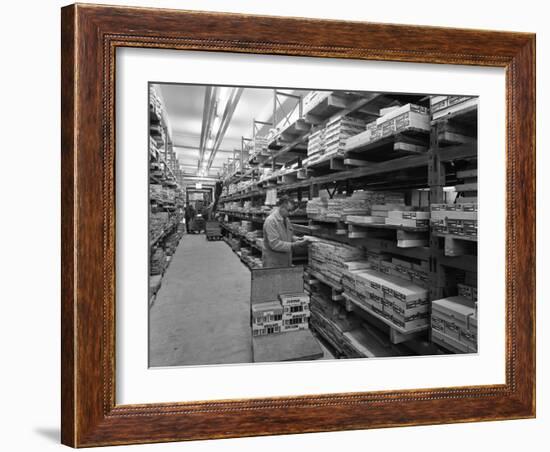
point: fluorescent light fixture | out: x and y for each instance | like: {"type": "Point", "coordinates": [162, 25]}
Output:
{"type": "Point", "coordinates": [219, 109]}
{"type": "Point", "coordinates": [223, 94]}
{"type": "Point", "coordinates": [217, 122]}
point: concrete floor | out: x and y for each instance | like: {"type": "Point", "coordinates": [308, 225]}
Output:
{"type": "Point", "coordinates": [201, 312]}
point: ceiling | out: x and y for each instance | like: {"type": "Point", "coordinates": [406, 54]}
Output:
{"type": "Point", "coordinates": [184, 106]}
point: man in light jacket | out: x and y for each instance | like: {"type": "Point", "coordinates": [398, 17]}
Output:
{"type": "Point", "coordinates": [278, 239]}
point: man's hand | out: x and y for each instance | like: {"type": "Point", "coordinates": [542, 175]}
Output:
{"type": "Point", "coordinates": [300, 243]}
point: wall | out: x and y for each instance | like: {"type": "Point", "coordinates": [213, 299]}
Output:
{"type": "Point", "coordinates": [30, 226]}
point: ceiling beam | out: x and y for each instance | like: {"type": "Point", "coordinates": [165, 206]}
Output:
{"type": "Point", "coordinates": [197, 148]}
{"type": "Point", "coordinates": [230, 107]}
{"type": "Point", "coordinates": [208, 107]}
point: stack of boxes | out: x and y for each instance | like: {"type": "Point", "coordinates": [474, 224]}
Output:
{"type": "Point", "coordinates": [338, 131]}
{"type": "Point", "coordinates": [330, 258]}
{"type": "Point", "coordinates": [267, 318]}
{"type": "Point", "coordinates": [335, 208]}
{"type": "Point", "coordinates": [395, 120]}
{"type": "Point", "coordinates": [467, 291]}
{"type": "Point", "coordinates": [316, 143]}
{"type": "Point", "coordinates": [455, 219]}
{"type": "Point", "coordinates": [408, 218]}
{"type": "Point", "coordinates": [442, 106]}
{"type": "Point", "coordinates": [314, 98]}
{"type": "Point", "coordinates": [260, 145]}
{"type": "Point", "coordinates": [246, 226]}
{"type": "Point", "coordinates": [295, 311]}
{"type": "Point", "coordinates": [331, 140]}
{"type": "Point", "coordinates": [454, 324]}
{"type": "Point", "coordinates": [289, 313]}
{"type": "Point", "coordinates": [360, 203]}
{"type": "Point", "coordinates": [316, 208]}
{"type": "Point", "coordinates": [397, 300]}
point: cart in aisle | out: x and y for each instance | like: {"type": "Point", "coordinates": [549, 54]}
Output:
{"type": "Point", "coordinates": [197, 224]}
{"type": "Point", "coordinates": [213, 230]}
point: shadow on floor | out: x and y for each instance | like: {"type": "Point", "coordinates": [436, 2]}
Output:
{"type": "Point", "coordinates": [50, 433]}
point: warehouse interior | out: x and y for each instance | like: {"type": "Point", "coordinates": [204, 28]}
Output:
{"type": "Point", "coordinates": [379, 191]}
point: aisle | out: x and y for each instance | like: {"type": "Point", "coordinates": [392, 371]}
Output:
{"type": "Point", "coordinates": [201, 313]}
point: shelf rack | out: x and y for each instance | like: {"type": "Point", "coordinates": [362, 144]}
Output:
{"type": "Point", "coordinates": [414, 159]}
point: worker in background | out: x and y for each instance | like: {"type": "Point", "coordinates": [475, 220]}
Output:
{"type": "Point", "coordinates": [279, 241]}
{"type": "Point", "coordinates": [189, 215]}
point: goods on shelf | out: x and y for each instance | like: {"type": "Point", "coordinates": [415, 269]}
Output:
{"type": "Point", "coordinates": [171, 243]}
{"type": "Point", "coordinates": [246, 226]}
{"type": "Point", "coordinates": [316, 208]}
{"type": "Point", "coordinates": [359, 203]}
{"type": "Point", "coordinates": [338, 327]}
{"type": "Point", "coordinates": [316, 142]}
{"type": "Point", "coordinates": [364, 219]}
{"type": "Point", "coordinates": [260, 144]}
{"type": "Point", "coordinates": [155, 102]}
{"type": "Point", "coordinates": [158, 262]}
{"type": "Point", "coordinates": [441, 106]}
{"type": "Point", "coordinates": [409, 117]}
{"type": "Point", "coordinates": [338, 130]}
{"type": "Point", "coordinates": [158, 222]}
{"type": "Point", "coordinates": [154, 284]}
{"type": "Point", "coordinates": [415, 219]}
{"type": "Point", "coordinates": [454, 323]}
{"type": "Point", "coordinates": [399, 301]}
{"type": "Point", "coordinates": [467, 291]}
{"type": "Point", "coordinates": [405, 268]}
{"type": "Point", "coordinates": [455, 219]}
{"type": "Point", "coordinates": [382, 210]}
{"type": "Point", "coordinates": [329, 258]}
{"type": "Point", "coordinates": [271, 197]}
{"type": "Point", "coordinates": [251, 260]}
{"type": "Point", "coordinates": [314, 98]}
{"type": "Point", "coordinates": [155, 191]}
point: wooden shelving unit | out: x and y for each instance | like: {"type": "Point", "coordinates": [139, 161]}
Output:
{"type": "Point", "coordinates": [412, 159]}
{"type": "Point", "coordinates": [166, 197]}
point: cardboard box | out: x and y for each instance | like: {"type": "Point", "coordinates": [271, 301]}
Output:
{"type": "Point", "coordinates": [268, 312]}
{"type": "Point", "coordinates": [289, 299]}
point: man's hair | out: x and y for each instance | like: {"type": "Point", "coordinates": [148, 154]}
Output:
{"type": "Point", "coordinates": [285, 199]}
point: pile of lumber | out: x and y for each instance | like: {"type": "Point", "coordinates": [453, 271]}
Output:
{"type": "Point", "coordinates": [441, 106]}
{"type": "Point", "coordinates": [408, 218]}
{"type": "Point", "coordinates": [338, 130]}
{"type": "Point", "coordinates": [411, 270]}
{"type": "Point", "coordinates": [454, 324]}
{"type": "Point", "coordinates": [394, 120]}
{"type": "Point", "coordinates": [455, 219]}
{"type": "Point", "coordinates": [363, 202]}
{"type": "Point", "coordinates": [330, 258]}
{"type": "Point", "coordinates": [314, 98]}
{"type": "Point", "coordinates": [399, 301]}
{"type": "Point", "coordinates": [316, 142]}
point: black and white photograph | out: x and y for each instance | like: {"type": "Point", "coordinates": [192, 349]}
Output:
{"type": "Point", "coordinates": [300, 225]}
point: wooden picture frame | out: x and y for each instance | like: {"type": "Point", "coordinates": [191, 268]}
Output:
{"type": "Point", "coordinates": [90, 37]}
